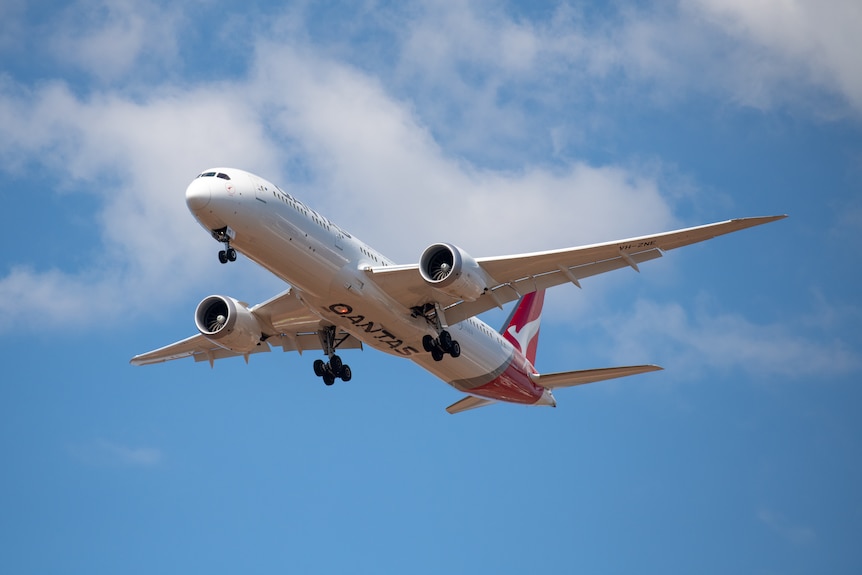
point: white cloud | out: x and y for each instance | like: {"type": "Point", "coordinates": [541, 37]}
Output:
{"type": "Point", "coordinates": [814, 41]}
{"type": "Point", "coordinates": [477, 72]}
{"type": "Point", "coordinates": [795, 533]}
{"type": "Point", "coordinates": [689, 344]}
{"type": "Point", "coordinates": [107, 453]}
{"type": "Point", "coordinates": [382, 168]}
{"type": "Point", "coordinates": [115, 38]}
{"type": "Point", "coordinates": [371, 164]}
{"type": "Point", "coordinates": [762, 53]}
{"type": "Point", "coordinates": [340, 137]}
{"type": "Point", "coordinates": [137, 158]}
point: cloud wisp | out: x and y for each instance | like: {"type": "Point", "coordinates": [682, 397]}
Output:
{"type": "Point", "coordinates": [690, 344]}
{"type": "Point", "coordinates": [102, 453]}
{"type": "Point", "coordinates": [136, 158]}
{"type": "Point", "coordinates": [793, 532]}
{"type": "Point", "coordinates": [479, 74]}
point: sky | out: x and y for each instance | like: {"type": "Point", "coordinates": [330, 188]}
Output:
{"type": "Point", "coordinates": [502, 127]}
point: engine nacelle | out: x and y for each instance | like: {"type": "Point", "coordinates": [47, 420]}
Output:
{"type": "Point", "coordinates": [228, 323]}
{"type": "Point", "coordinates": [453, 271]}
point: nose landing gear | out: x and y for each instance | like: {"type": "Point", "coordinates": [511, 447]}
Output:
{"type": "Point", "coordinates": [227, 255]}
{"type": "Point", "coordinates": [224, 235]}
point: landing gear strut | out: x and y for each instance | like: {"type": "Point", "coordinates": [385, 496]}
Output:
{"type": "Point", "coordinates": [224, 235]}
{"type": "Point", "coordinates": [334, 368]}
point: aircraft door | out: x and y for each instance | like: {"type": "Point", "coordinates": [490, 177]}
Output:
{"type": "Point", "coordinates": [261, 192]}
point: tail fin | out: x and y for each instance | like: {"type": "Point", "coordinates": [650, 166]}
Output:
{"type": "Point", "coordinates": [522, 327]}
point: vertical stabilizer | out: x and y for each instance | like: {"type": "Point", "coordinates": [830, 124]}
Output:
{"type": "Point", "coordinates": [522, 327]}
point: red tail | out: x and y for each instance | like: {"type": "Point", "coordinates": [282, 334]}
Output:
{"type": "Point", "coordinates": [522, 327]}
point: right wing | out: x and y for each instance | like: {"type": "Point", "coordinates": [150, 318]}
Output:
{"type": "Point", "coordinates": [287, 322]}
{"type": "Point", "coordinates": [515, 275]}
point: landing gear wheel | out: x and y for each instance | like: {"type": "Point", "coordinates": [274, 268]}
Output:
{"type": "Point", "coordinates": [428, 343]}
{"type": "Point", "coordinates": [335, 364]}
{"type": "Point", "coordinates": [328, 378]}
{"type": "Point", "coordinates": [319, 367]}
{"type": "Point", "coordinates": [437, 354]}
{"type": "Point", "coordinates": [445, 341]}
{"type": "Point", "coordinates": [455, 349]}
{"type": "Point", "coordinates": [222, 257]}
{"type": "Point", "coordinates": [345, 374]}
{"type": "Point", "coordinates": [231, 255]}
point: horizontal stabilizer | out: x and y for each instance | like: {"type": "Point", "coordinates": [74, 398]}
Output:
{"type": "Point", "coordinates": [572, 378]}
{"type": "Point", "coordinates": [469, 402]}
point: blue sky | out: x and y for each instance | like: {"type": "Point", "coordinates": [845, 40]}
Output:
{"type": "Point", "coordinates": [498, 126]}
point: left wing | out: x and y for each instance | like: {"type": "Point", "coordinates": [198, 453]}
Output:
{"type": "Point", "coordinates": [287, 322]}
{"type": "Point", "coordinates": [516, 275]}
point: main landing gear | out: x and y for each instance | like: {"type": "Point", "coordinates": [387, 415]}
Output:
{"type": "Point", "coordinates": [440, 346]}
{"type": "Point", "coordinates": [334, 368]}
{"type": "Point", "coordinates": [443, 344]}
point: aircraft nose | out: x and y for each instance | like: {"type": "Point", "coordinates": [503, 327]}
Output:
{"type": "Point", "coordinates": [198, 194]}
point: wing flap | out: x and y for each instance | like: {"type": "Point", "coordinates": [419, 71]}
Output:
{"type": "Point", "coordinates": [311, 341]}
{"type": "Point", "coordinates": [509, 292]}
{"type": "Point", "coordinates": [580, 377]}
{"type": "Point", "coordinates": [196, 346]}
{"type": "Point", "coordinates": [221, 353]}
{"type": "Point", "coordinates": [201, 349]}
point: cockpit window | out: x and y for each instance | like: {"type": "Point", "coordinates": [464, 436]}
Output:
{"type": "Point", "coordinates": [214, 174]}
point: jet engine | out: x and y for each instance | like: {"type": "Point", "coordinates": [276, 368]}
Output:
{"type": "Point", "coordinates": [453, 271]}
{"type": "Point", "coordinates": [228, 323]}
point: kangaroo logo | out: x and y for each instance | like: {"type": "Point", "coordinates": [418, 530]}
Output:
{"type": "Point", "coordinates": [525, 335]}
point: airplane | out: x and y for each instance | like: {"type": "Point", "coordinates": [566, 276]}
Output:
{"type": "Point", "coordinates": [344, 294]}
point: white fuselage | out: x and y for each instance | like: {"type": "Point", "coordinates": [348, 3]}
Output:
{"type": "Point", "coordinates": [327, 266]}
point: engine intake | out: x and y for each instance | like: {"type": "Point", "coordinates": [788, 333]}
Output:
{"type": "Point", "coordinates": [453, 271]}
{"type": "Point", "coordinates": [228, 323]}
